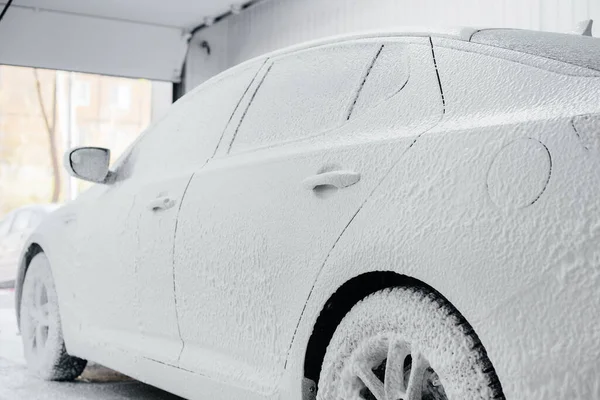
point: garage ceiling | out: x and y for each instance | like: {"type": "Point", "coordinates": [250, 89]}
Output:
{"type": "Point", "coordinates": [133, 38]}
{"type": "Point", "coordinates": [173, 13]}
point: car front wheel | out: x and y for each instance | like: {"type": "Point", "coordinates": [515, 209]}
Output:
{"type": "Point", "coordinates": [41, 330]}
{"type": "Point", "coordinates": [406, 343]}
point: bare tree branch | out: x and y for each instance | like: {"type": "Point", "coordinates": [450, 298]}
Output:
{"type": "Point", "coordinates": [50, 129]}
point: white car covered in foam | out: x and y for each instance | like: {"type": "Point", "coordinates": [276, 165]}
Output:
{"type": "Point", "coordinates": [384, 216]}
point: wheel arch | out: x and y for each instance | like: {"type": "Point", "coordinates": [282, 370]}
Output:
{"type": "Point", "coordinates": [31, 250]}
{"type": "Point", "coordinates": [339, 304]}
{"type": "Point", "coordinates": [353, 291]}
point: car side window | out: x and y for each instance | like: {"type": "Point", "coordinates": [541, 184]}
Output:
{"type": "Point", "coordinates": [193, 127]}
{"type": "Point", "coordinates": [305, 93]}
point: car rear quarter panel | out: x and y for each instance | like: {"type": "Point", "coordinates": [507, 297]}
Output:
{"type": "Point", "coordinates": [525, 276]}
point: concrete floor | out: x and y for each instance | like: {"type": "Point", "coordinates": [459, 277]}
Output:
{"type": "Point", "coordinates": [96, 383]}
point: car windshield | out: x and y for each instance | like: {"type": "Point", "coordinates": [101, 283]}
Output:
{"type": "Point", "coordinates": [583, 51]}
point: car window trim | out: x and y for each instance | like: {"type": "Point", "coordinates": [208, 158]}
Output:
{"type": "Point", "coordinates": [363, 82]}
{"type": "Point", "coordinates": [252, 96]}
{"type": "Point", "coordinates": [237, 106]}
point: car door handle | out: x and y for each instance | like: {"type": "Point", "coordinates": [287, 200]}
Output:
{"type": "Point", "coordinates": [161, 203]}
{"type": "Point", "coordinates": [339, 179]}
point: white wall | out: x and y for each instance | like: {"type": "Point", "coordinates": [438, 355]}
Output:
{"type": "Point", "coordinates": [273, 24]}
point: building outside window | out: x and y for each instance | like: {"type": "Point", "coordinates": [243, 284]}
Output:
{"type": "Point", "coordinates": [121, 97]}
{"type": "Point", "coordinates": [81, 93]}
{"type": "Point", "coordinates": [82, 109]}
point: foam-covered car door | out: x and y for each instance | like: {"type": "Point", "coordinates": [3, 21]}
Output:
{"type": "Point", "coordinates": [182, 145]}
{"type": "Point", "coordinates": [126, 229]}
{"type": "Point", "coordinates": [256, 225]}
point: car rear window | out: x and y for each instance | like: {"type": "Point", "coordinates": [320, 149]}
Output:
{"type": "Point", "coordinates": [583, 51]}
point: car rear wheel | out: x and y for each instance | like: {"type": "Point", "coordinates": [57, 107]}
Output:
{"type": "Point", "coordinates": [410, 344]}
{"type": "Point", "coordinates": [41, 330]}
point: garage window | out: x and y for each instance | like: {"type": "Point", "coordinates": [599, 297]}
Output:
{"type": "Point", "coordinates": [304, 94]}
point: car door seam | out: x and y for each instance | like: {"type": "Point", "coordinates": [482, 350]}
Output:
{"type": "Point", "coordinates": [173, 264]}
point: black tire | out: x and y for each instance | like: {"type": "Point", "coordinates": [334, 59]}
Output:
{"type": "Point", "coordinates": [41, 328]}
{"type": "Point", "coordinates": [406, 343]}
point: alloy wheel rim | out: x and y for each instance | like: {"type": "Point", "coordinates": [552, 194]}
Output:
{"type": "Point", "coordinates": [39, 318]}
{"type": "Point", "coordinates": [389, 368]}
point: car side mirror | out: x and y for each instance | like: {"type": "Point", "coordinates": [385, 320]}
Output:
{"type": "Point", "coordinates": [88, 163]}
